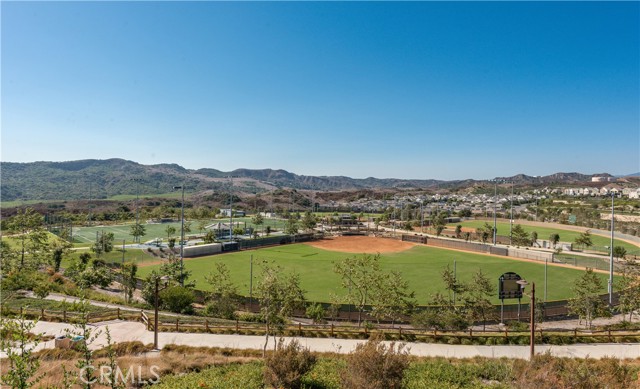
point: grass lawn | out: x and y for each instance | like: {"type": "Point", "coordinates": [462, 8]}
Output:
{"type": "Point", "coordinates": [545, 232]}
{"type": "Point", "coordinates": [420, 266]}
{"type": "Point", "coordinates": [85, 236]}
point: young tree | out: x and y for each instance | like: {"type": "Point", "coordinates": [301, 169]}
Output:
{"type": "Point", "coordinates": [619, 252]}
{"type": "Point", "coordinates": [176, 271]}
{"type": "Point", "coordinates": [439, 223]}
{"type": "Point", "coordinates": [629, 286]}
{"type": "Point", "coordinates": [477, 299]}
{"type": "Point", "coordinates": [202, 225]}
{"type": "Point", "coordinates": [587, 304]}
{"type": "Point", "coordinates": [114, 380]}
{"type": "Point", "coordinates": [88, 334]}
{"type": "Point", "coordinates": [584, 239]}
{"type": "Point", "coordinates": [27, 226]}
{"type": "Point", "coordinates": [170, 230]}
{"type": "Point", "coordinates": [534, 237]}
{"type": "Point", "coordinates": [103, 243]}
{"type": "Point", "coordinates": [391, 297]}
{"type": "Point", "coordinates": [554, 239]}
{"type": "Point", "coordinates": [458, 231]}
{"type": "Point", "coordinates": [291, 227]}
{"type": "Point", "coordinates": [451, 283]}
{"type": "Point", "coordinates": [59, 249]}
{"type": "Point", "coordinates": [223, 299]}
{"type": "Point", "coordinates": [519, 236]}
{"type": "Point", "coordinates": [18, 344]}
{"type": "Point", "coordinates": [257, 219]}
{"type": "Point", "coordinates": [359, 275]}
{"type": "Point", "coordinates": [209, 237]}
{"type": "Point", "coordinates": [279, 296]}
{"type": "Point", "coordinates": [129, 280]}
{"type": "Point", "coordinates": [137, 231]}
{"type": "Point", "coordinates": [309, 221]}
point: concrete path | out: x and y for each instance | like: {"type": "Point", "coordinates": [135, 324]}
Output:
{"type": "Point", "coordinates": [131, 331]}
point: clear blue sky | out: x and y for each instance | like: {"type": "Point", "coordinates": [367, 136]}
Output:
{"type": "Point", "coordinates": [409, 90]}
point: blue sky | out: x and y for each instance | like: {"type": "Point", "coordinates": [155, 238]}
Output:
{"type": "Point", "coordinates": [408, 90]}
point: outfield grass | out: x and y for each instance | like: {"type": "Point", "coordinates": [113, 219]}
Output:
{"type": "Point", "coordinates": [420, 266]}
{"type": "Point", "coordinates": [545, 232]}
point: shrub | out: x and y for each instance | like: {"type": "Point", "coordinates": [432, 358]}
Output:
{"type": "Point", "coordinates": [285, 367]}
{"type": "Point", "coordinates": [177, 299]}
{"type": "Point", "coordinates": [375, 366]}
{"type": "Point", "coordinates": [316, 312]}
{"type": "Point", "coordinates": [42, 289]}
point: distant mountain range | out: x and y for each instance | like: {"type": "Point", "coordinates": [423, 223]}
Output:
{"type": "Point", "coordinates": [96, 179]}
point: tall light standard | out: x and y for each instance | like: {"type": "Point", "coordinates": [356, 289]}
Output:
{"type": "Point", "coordinates": [164, 279]}
{"type": "Point", "coordinates": [181, 234]}
{"type": "Point", "coordinates": [421, 217]}
{"type": "Point", "coordinates": [511, 218]}
{"type": "Point", "coordinates": [137, 181]}
{"type": "Point", "coordinates": [611, 255]}
{"type": "Point", "coordinates": [495, 222]}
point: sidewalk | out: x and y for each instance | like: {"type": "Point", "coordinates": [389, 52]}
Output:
{"type": "Point", "coordinates": [122, 331]}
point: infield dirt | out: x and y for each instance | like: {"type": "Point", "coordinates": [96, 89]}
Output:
{"type": "Point", "coordinates": [361, 244]}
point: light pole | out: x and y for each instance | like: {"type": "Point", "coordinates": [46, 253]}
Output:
{"type": "Point", "coordinates": [137, 180]}
{"type": "Point", "coordinates": [165, 279]}
{"type": "Point", "coordinates": [495, 222]}
{"type": "Point", "coordinates": [421, 218]}
{"type": "Point", "coordinates": [181, 234]}
{"type": "Point", "coordinates": [511, 218]}
{"type": "Point", "coordinates": [532, 323]}
{"type": "Point", "coordinates": [611, 255]}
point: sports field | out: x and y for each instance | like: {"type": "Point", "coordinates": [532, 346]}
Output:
{"type": "Point", "coordinates": [419, 265]}
{"type": "Point", "coordinates": [545, 232]}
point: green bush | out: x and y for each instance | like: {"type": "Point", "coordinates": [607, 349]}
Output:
{"type": "Point", "coordinates": [177, 299]}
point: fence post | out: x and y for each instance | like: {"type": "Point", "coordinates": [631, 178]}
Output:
{"type": "Point", "coordinates": [506, 333]}
{"type": "Point", "coordinates": [42, 313]}
{"type": "Point", "coordinates": [609, 333]}
{"type": "Point", "coordinates": [471, 332]}
{"type": "Point", "coordinates": [118, 313]}
{"type": "Point", "coordinates": [64, 314]}
{"type": "Point", "coordinates": [237, 326]}
{"type": "Point", "coordinates": [300, 329]}
{"type": "Point", "coordinates": [21, 311]}
{"type": "Point", "coordinates": [206, 325]}
{"type": "Point", "coordinates": [177, 324]}
{"type": "Point", "coordinates": [332, 330]}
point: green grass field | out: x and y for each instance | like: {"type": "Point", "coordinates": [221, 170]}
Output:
{"type": "Point", "coordinates": [545, 232]}
{"type": "Point", "coordinates": [420, 266]}
{"type": "Point", "coordinates": [85, 236]}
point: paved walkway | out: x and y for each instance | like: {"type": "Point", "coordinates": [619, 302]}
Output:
{"type": "Point", "coordinates": [122, 331]}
